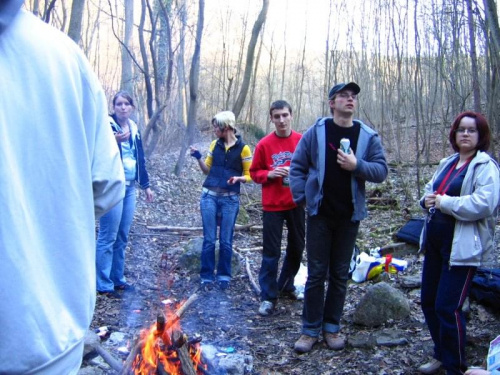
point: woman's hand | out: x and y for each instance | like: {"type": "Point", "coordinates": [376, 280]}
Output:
{"type": "Point", "coordinates": [430, 200]}
{"type": "Point", "coordinates": [235, 179]}
{"type": "Point", "coordinates": [122, 137]}
{"type": "Point", "coordinates": [194, 153]}
{"type": "Point", "coordinates": [438, 201]}
{"type": "Point", "coordinates": [149, 195]}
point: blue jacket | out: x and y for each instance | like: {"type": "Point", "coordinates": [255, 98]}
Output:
{"type": "Point", "coordinates": [307, 170]}
{"type": "Point", "coordinates": [141, 174]}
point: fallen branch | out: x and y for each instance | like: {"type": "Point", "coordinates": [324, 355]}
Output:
{"type": "Point", "coordinates": [250, 276]}
{"type": "Point", "coordinates": [199, 229]}
{"type": "Point", "coordinates": [93, 342]}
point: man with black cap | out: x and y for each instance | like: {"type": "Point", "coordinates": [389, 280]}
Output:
{"type": "Point", "coordinates": [328, 176]}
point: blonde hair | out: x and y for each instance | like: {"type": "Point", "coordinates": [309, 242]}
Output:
{"type": "Point", "coordinates": [224, 120]}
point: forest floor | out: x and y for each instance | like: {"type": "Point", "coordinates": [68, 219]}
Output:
{"type": "Point", "coordinates": [229, 320]}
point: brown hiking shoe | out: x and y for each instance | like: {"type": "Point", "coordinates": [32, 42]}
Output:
{"type": "Point", "coordinates": [305, 343]}
{"type": "Point", "coordinates": [334, 340]}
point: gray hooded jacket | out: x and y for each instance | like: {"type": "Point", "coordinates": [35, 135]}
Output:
{"type": "Point", "coordinates": [307, 170]}
{"type": "Point", "coordinates": [475, 211]}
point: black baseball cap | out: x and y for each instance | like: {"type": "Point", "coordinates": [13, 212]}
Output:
{"type": "Point", "coordinates": [344, 86]}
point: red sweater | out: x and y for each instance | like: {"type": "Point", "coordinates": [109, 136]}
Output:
{"type": "Point", "coordinates": [272, 152]}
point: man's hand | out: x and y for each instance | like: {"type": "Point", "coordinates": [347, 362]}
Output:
{"type": "Point", "coordinates": [278, 172]}
{"type": "Point", "coordinates": [347, 161]}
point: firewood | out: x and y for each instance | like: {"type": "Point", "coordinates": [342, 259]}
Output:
{"type": "Point", "coordinates": [187, 365]}
{"type": "Point", "coordinates": [127, 366]}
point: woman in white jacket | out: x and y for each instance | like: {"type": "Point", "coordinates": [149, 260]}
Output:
{"type": "Point", "coordinates": [462, 202]}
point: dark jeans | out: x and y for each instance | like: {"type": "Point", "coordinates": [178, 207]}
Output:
{"type": "Point", "coordinates": [444, 289]}
{"type": "Point", "coordinates": [272, 234]}
{"type": "Point", "coordinates": [330, 243]}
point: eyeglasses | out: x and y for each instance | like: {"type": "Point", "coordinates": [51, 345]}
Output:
{"type": "Point", "coordinates": [346, 95]}
{"type": "Point", "coordinates": [470, 131]}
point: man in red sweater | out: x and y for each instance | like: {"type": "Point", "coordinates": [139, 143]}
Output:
{"type": "Point", "coordinates": [270, 166]}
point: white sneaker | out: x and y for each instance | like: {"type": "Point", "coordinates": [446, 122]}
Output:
{"type": "Point", "coordinates": [266, 308]}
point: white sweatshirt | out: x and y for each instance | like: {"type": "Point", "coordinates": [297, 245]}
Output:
{"type": "Point", "coordinates": [59, 168]}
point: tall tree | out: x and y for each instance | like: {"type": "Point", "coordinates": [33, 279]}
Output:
{"type": "Point", "coordinates": [194, 78]}
{"type": "Point", "coordinates": [127, 77]}
{"type": "Point", "coordinates": [75, 22]}
{"type": "Point", "coordinates": [238, 105]}
{"type": "Point", "coordinates": [473, 57]}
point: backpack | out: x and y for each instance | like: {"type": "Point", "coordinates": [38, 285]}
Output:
{"type": "Point", "coordinates": [485, 288]}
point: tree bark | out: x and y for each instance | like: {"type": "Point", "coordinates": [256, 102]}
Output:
{"type": "Point", "coordinates": [238, 105]}
{"type": "Point", "coordinates": [127, 77]}
{"type": "Point", "coordinates": [473, 58]}
{"type": "Point", "coordinates": [194, 77]}
{"type": "Point", "coordinates": [75, 23]}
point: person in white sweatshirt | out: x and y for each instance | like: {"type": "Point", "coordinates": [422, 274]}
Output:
{"type": "Point", "coordinates": [60, 169]}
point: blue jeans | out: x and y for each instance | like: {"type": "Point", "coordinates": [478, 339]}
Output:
{"type": "Point", "coordinates": [271, 237]}
{"type": "Point", "coordinates": [112, 239]}
{"type": "Point", "coordinates": [218, 210]}
{"type": "Point", "coordinates": [330, 243]}
{"type": "Point", "coordinates": [443, 292]}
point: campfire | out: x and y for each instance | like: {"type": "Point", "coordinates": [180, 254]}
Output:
{"type": "Point", "coordinates": [163, 349]}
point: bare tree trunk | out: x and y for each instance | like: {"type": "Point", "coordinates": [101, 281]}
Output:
{"type": "Point", "coordinates": [417, 99]}
{"type": "Point", "coordinates": [473, 57]}
{"type": "Point", "coordinates": [194, 77]}
{"type": "Point", "coordinates": [145, 64]}
{"type": "Point", "coordinates": [181, 77]}
{"type": "Point", "coordinates": [75, 23]}
{"type": "Point", "coordinates": [127, 77]}
{"type": "Point", "coordinates": [249, 62]}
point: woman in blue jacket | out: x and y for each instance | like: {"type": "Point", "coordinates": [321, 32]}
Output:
{"type": "Point", "coordinates": [114, 226]}
{"type": "Point", "coordinates": [462, 203]}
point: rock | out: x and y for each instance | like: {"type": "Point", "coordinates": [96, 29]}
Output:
{"type": "Point", "coordinates": [236, 364]}
{"type": "Point", "coordinates": [410, 282]}
{"type": "Point", "coordinates": [380, 304]}
{"type": "Point", "coordinates": [243, 217]}
{"type": "Point", "coordinates": [362, 340]}
{"type": "Point", "coordinates": [90, 370]}
{"type": "Point", "coordinates": [190, 258]}
{"type": "Point", "coordinates": [116, 338]}
{"type": "Point", "coordinates": [90, 342]}
{"type": "Point", "coordinates": [391, 337]}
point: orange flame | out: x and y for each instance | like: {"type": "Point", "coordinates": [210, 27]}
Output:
{"type": "Point", "coordinates": [156, 350]}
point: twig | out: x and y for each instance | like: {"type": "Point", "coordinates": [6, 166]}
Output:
{"type": "Point", "coordinates": [250, 276]}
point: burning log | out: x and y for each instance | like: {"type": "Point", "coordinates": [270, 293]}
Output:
{"type": "Point", "coordinates": [187, 365]}
{"type": "Point", "coordinates": [158, 338]}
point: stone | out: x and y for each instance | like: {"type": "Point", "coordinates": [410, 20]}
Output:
{"type": "Point", "coordinates": [391, 337]}
{"type": "Point", "coordinates": [362, 341]}
{"type": "Point", "coordinates": [380, 304]}
{"type": "Point", "coordinates": [190, 258]}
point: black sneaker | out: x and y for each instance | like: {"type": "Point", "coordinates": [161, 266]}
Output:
{"type": "Point", "coordinates": [125, 288]}
{"type": "Point", "coordinates": [223, 284]}
{"type": "Point", "coordinates": [111, 294]}
{"type": "Point", "coordinates": [206, 286]}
